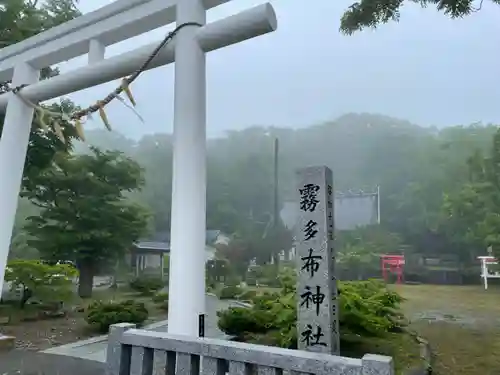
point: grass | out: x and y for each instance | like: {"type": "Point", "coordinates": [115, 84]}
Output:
{"type": "Point", "coordinates": [461, 323]}
{"type": "Point", "coordinates": [400, 346]}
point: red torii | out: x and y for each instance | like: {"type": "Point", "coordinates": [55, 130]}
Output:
{"type": "Point", "coordinates": [393, 264]}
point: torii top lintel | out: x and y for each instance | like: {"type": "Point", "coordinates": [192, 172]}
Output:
{"type": "Point", "coordinates": [113, 23]}
{"type": "Point", "coordinates": [131, 21]}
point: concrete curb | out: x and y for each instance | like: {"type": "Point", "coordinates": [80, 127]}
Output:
{"type": "Point", "coordinates": [95, 346]}
{"type": "Point", "coordinates": [236, 302]}
{"type": "Point", "coordinates": [94, 340]}
{"type": "Point", "coordinates": [242, 304]}
{"type": "Point", "coordinates": [77, 344]}
{"type": "Point", "coordinates": [425, 355]}
{"type": "Point", "coordinates": [154, 325]}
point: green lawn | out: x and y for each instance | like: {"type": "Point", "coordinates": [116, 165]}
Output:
{"type": "Point", "coordinates": [461, 323]}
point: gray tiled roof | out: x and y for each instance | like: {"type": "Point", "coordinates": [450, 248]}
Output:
{"type": "Point", "coordinates": [160, 246]}
{"type": "Point", "coordinates": [161, 241]}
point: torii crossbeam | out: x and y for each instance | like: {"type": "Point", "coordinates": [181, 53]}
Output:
{"type": "Point", "coordinates": [90, 34]}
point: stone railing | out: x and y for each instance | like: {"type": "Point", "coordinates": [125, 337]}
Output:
{"type": "Point", "coordinates": [140, 352]}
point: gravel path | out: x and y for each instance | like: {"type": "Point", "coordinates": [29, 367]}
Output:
{"type": "Point", "coordinates": [212, 305]}
{"type": "Point", "coordinates": [21, 362]}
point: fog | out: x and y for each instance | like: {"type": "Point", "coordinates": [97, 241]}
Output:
{"type": "Point", "coordinates": [427, 69]}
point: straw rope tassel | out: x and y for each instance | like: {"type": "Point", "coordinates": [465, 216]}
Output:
{"type": "Point", "coordinates": [104, 118]}
{"type": "Point", "coordinates": [126, 90]}
{"type": "Point", "coordinates": [79, 129]}
{"type": "Point", "coordinates": [41, 119]}
{"type": "Point", "coordinates": [58, 131]}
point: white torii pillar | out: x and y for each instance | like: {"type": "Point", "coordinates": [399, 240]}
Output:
{"type": "Point", "coordinates": [188, 209]}
{"type": "Point", "coordinates": [485, 273]}
{"type": "Point", "coordinates": [13, 147]}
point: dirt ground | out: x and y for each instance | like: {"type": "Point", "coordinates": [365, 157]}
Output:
{"type": "Point", "coordinates": [461, 323]}
{"type": "Point", "coordinates": [44, 334]}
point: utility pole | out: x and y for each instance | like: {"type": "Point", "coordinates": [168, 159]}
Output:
{"type": "Point", "coordinates": [275, 214]}
{"type": "Point", "coordinates": [276, 217]}
{"type": "Point", "coordinates": [276, 201]}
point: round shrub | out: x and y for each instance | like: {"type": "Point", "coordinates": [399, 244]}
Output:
{"type": "Point", "coordinates": [247, 295]}
{"type": "Point", "coordinates": [147, 285]}
{"type": "Point", "coordinates": [230, 292]}
{"type": "Point", "coordinates": [232, 280]}
{"type": "Point", "coordinates": [210, 286]}
{"type": "Point", "coordinates": [367, 309]}
{"type": "Point", "coordinates": [238, 320]}
{"type": "Point", "coordinates": [160, 297]}
{"type": "Point", "coordinates": [271, 282]}
{"type": "Point", "coordinates": [103, 314]}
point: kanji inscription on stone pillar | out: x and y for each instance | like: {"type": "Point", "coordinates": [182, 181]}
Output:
{"type": "Point", "coordinates": [317, 325]}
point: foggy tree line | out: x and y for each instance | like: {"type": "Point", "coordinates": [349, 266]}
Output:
{"type": "Point", "coordinates": [426, 175]}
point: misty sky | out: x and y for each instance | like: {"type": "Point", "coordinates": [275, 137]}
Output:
{"type": "Point", "coordinates": [427, 69]}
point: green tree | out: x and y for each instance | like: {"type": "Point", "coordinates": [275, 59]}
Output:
{"type": "Point", "coordinates": [371, 13]}
{"type": "Point", "coordinates": [84, 215]}
{"type": "Point", "coordinates": [239, 187]}
{"type": "Point", "coordinates": [374, 237]}
{"type": "Point", "coordinates": [155, 153]}
{"type": "Point", "coordinates": [238, 253]}
{"type": "Point", "coordinates": [19, 248]}
{"type": "Point", "coordinates": [359, 250]}
{"type": "Point", "coordinates": [472, 214]}
{"type": "Point", "coordinates": [216, 270]}
{"type": "Point", "coordinates": [45, 282]}
{"type": "Point", "coordinates": [275, 240]}
{"type": "Point", "coordinates": [413, 165]}
{"type": "Point", "coordinates": [19, 20]}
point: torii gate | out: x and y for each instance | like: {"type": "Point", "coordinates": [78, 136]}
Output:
{"type": "Point", "coordinates": [487, 261]}
{"type": "Point", "coordinates": [90, 34]}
